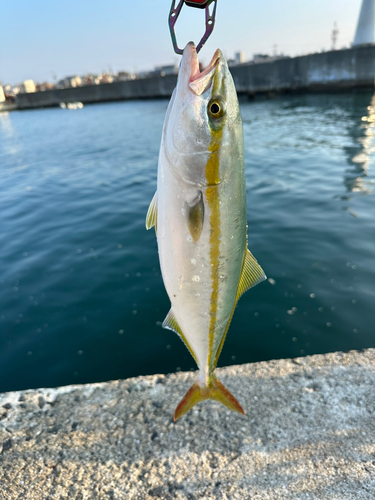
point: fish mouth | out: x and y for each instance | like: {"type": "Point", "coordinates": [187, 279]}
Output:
{"type": "Point", "coordinates": [199, 81]}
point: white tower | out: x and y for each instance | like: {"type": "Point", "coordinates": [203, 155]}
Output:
{"type": "Point", "coordinates": [366, 24]}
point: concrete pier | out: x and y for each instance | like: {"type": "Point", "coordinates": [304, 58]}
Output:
{"type": "Point", "coordinates": [339, 70]}
{"type": "Point", "coordinates": [308, 433]}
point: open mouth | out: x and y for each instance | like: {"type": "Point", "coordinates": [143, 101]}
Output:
{"type": "Point", "coordinates": [200, 81]}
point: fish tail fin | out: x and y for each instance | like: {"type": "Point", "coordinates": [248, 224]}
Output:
{"type": "Point", "coordinates": [215, 390]}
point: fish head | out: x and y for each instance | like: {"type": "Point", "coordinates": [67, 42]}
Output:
{"type": "Point", "coordinates": [203, 122]}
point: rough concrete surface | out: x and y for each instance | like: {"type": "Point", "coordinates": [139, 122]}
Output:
{"type": "Point", "coordinates": [308, 433]}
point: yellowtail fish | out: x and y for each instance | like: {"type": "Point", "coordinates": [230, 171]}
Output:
{"type": "Point", "coordinates": [199, 213]}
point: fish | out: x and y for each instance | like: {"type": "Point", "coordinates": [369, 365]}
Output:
{"type": "Point", "coordinates": [199, 215]}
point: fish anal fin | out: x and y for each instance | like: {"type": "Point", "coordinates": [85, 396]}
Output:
{"type": "Point", "coordinates": [170, 323]}
{"type": "Point", "coordinates": [251, 274]}
{"type": "Point", "coordinates": [215, 390]}
{"type": "Point", "coordinates": [152, 213]}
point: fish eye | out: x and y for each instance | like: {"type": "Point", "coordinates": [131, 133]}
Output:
{"type": "Point", "coordinates": [215, 109]}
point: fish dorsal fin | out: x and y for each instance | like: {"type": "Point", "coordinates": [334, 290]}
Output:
{"type": "Point", "coordinates": [170, 323]}
{"type": "Point", "coordinates": [152, 213]}
{"type": "Point", "coordinates": [251, 274]}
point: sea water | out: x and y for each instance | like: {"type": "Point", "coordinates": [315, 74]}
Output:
{"type": "Point", "coordinates": [81, 295]}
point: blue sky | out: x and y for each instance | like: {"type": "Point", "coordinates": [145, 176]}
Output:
{"type": "Point", "coordinates": [42, 38]}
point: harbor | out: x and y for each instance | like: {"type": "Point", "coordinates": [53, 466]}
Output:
{"type": "Point", "coordinates": [349, 69]}
{"type": "Point", "coordinates": [116, 382]}
{"type": "Point", "coordinates": [335, 71]}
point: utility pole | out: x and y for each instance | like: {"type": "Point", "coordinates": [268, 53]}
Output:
{"type": "Point", "coordinates": [334, 35]}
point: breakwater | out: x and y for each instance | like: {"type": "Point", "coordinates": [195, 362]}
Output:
{"type": "Point", "coordinates": [339, 70]}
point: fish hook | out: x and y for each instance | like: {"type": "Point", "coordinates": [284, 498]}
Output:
{"type": "Point", "coordinates": [200, 4]}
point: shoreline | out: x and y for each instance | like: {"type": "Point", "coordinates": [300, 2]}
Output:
{"type": "Point", "coordinates": [308, 432]}
{"type": "Point", "coordinates": [346, 70]}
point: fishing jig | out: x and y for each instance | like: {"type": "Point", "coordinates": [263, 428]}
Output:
{"type": "Point", "coordinates": [200, 4]}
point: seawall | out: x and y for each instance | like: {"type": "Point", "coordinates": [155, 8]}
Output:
{"type": "Point", "coordinates": [336, 70]}
{"type": "Point", "coordinates": [339, 70]}
{"type": "Point", "coordinates": [143, 88]}
{"type": "Point", "coordinates": [308, 433]}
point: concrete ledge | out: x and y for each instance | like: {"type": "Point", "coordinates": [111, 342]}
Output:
{"type": "Point", "coordinates": [308, 433]}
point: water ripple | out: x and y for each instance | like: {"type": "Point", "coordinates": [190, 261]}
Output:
{"type": "Point", "coordinates": [77, 265]}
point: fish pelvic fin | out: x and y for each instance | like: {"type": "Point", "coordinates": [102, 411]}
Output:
{"type": "Point", "coordinates": [152, 213]}
{"type": "Point", "coordinates": [214, 390]}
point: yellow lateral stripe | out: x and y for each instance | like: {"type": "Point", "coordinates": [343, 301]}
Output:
{"type": "Point", "coordinates": [213, 179]}
{"type": "Point", "coordinates": [212, 193]}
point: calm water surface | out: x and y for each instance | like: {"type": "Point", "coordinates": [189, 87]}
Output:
{"type": "Point", "coordinates": [81, 295]}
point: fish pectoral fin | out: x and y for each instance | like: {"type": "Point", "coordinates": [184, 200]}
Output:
{"type": "Point", "coordinates": [251, 274]}
{"type": "Point", "coordinates": [195, 216]}
{"type": "Point", "coordinates": [152, 213]}
{"type": "Point", "coordinates": [170, 323]}
{"type": "Point", "coordinates": [215, 390]}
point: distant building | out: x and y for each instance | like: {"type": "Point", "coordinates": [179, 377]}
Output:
{"type": "Point", "coordinates": [106, 78]}
{"type": "Point", "coordinates": [41, 87]}
{"type": "Point", "coordinates": [261, 58]}
{"type": "Point", "coordinates": [154, 72]}
{"type": "Point", "coordinates": [2, 95]}
{"type": "Point", "coordinates": [88, 79]}
{"type": "Point", "coordinates": [73, 81]}
{"type": "Point", "coordinates": [239, 57]}
{"type": "Point", "coordinates": [124, 75]}
{"type": "Point", "coordinates": [143, 74]}
{"type": "Point", "coordinates": [365, 33]}
{"type": "Point", "coordinates": [27, 86]}
{"type": "Point", "coordinates": [170, 69]}
{"type": "Point", "coordinates": [265, 58]}
{"type": "Point", "coordinates": [70, 81]}
{"type": "Point", "coordinates": [91, 79]}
